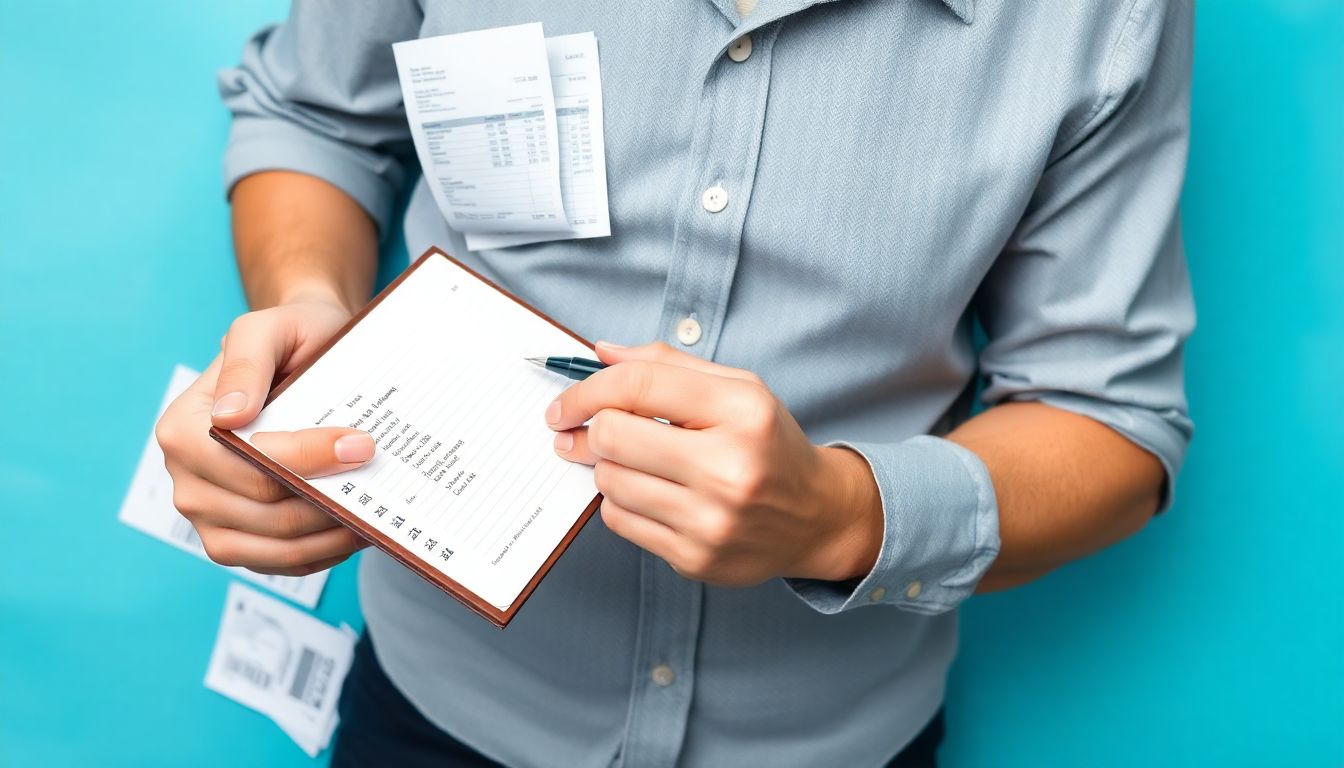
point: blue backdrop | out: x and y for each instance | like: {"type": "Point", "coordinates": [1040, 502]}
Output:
{"type": "Point", "coordinates": [1215, 637]}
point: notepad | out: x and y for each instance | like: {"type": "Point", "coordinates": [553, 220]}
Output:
{"type": "Point", "coordinates": [465, 488]}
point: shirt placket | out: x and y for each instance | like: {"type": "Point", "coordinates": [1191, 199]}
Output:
{"type": "Point", "coordinates": [706, 246]}
{"type": "Point", "coordinates": [712, 210]}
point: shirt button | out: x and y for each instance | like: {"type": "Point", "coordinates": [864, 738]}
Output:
{"type": "Point", "coordinates": [688, 331]}
{"type": "Point", "coordinates": [714, 199]}
{"type": "Point", "coordinates": [877, 594]}
{"type": "Point", "coordinates": [913, 590]}
{"type": "Point", "coordinates": [663, 675]}
{"type": "Point", "coordinates": [740, 50]}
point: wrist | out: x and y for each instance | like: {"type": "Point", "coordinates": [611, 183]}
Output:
{"type": "Point", "coordinates": [850, 500]}
{"type": "Point", "coordinates": [314, 292]}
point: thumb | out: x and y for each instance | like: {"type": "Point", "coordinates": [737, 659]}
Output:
{"type": "Point", "coordinates": [255, 345]}
{"type": "Point", "coordinates": [654, 352]}
{"type": "Point", "coordinates": [660, 352]}
{"type": "Point", "coordinates": [317, 452]}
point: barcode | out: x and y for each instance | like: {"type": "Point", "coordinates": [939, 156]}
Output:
{"type": "Point", "coordinates": [248, 671]}
{"type": "Point", "coordinates": [185, 532]}
{"type": "Point", "coordinates": [311, 678]}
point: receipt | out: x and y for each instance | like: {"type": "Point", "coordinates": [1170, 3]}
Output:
{"type": "Point", "coordinates": [483, 120]}
{"type": "Point", "coordinates": [577, 84]}
{"type": "Point", "coordinates": [148, 508]}
{"type": "Point", "coordinates": [281, 662]}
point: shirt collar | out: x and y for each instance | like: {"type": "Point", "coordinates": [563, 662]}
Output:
{"type": "Point", "coordinates": [965, 9]}
{"type": "Point", "coordinates": [772, 9]}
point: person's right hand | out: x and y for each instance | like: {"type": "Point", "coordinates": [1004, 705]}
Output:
{"type": "Point", "coordinates": [243, 516]}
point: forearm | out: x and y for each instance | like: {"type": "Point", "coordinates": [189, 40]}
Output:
{"type": "Point", "coordinates": [1066, 486]}
{"type": "Point", "coordinates": [297, 236]}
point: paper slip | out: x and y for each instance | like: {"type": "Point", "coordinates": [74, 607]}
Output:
{"type": "Point", "coordinates": [148, 507]}
{"type": "Point", "coordinates": [281, 662]}
{"type": "Point", "coordinates": [577, 83]}
{"type": "Point", "coordinates": [483, 120]}
{"type": "Point", "coordinates": [508, 129]}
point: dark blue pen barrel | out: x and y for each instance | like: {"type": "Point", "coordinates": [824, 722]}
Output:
{"type": "Point", "coordinates": [576, 368]}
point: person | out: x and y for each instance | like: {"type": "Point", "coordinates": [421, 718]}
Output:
{"type": "Point", "coordinates": [775, 574]}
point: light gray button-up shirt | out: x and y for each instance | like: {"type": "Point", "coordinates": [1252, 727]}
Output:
{"type": "Point", "coordinates": [830, 194]}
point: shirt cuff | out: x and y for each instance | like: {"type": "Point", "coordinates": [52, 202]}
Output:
{"type": "Point", "coordinates": [940, 530]}
{"type": "Point", "coordinates": [265, 144]}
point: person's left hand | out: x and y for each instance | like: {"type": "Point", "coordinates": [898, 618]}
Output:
{"type": "Point", "coordinates": [731, 491]}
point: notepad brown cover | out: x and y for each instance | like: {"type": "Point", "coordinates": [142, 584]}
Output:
{"type": "Point", "coordinates": [301, 487]}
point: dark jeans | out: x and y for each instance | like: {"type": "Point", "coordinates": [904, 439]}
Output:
{"type": "Point", "coordinates": [380, 727]}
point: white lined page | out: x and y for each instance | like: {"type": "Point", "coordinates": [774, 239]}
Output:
{"type": "Point", "coordinates": [464, 477]}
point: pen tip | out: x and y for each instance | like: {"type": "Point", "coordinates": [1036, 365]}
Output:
{"type": "Point", "coordinates": [536, 361]}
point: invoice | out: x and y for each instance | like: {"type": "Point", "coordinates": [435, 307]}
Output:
{"type": "Point", "coordinates": [577, 84]}
{"type": "Point", "coordinates": [482, 116]}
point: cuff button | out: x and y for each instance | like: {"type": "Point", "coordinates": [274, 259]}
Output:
{"type": "Point", "coordinates": [877, 594]}
{"type": "Point", "coordinates": [913, 590]}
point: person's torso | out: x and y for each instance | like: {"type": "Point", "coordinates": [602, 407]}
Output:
{"type": "Point", "coordinates": [876, 155]}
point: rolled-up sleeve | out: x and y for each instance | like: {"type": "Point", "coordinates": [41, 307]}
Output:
{"type": "Point", "coordinates": [1086, 310]}
{"type": "Point", "coordinates": [318, 94]}
{"type": "Point", "coordinates": [1090, 305]}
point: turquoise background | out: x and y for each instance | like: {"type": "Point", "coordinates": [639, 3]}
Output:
{"type": "Point", "coordinates": [1215, 637]}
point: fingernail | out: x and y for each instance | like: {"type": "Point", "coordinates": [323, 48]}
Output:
{"type": "Point", "coordinates": [354, 449]}
{"type": "Point", "coordinates": [553, 412]}
{"type": "Point", "coordinates": [610, 345]}
{"type": "Point", "coordinates": [563, 442]}
{"type": "Point", "coordinates": [230, 403]}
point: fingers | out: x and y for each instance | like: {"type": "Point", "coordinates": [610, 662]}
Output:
{"type": "Point", "coordinates": [206, 504]}
{"type": "Point", "coordinates": [643, 494]}
{"type": "Point", "coordinates": [227, 546]}
{"type": "Point", "coordinates": [306, 569]}
{"type": "Point", "coordinates": [195, 401]}
{"type": "Point", "coordinates": [261, 344]}
{"type": "Point", "coordinates": [680, 552]}
{"type": "Point", "coordinates": [686, 397]}
{"type": "Point", "coordinates": [659, 352]}
{"type": "Point", "coordinates": [189, 452]}
{"type": "Point", "coordinates": [244, 516]}
{"type": "Point", "coordinates": [219, 466]}
{"type": "Point", "coordinates": [637, 442]}
{"type": "Point", "coordinates": [317, 452]}
{"type": "Point", "coordinates": [642, 531]}
{"type": "Point", "coordinates": [257, 343]}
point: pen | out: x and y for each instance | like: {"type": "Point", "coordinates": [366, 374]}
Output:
{"type": "Point", "coordinates": [577, 368]}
